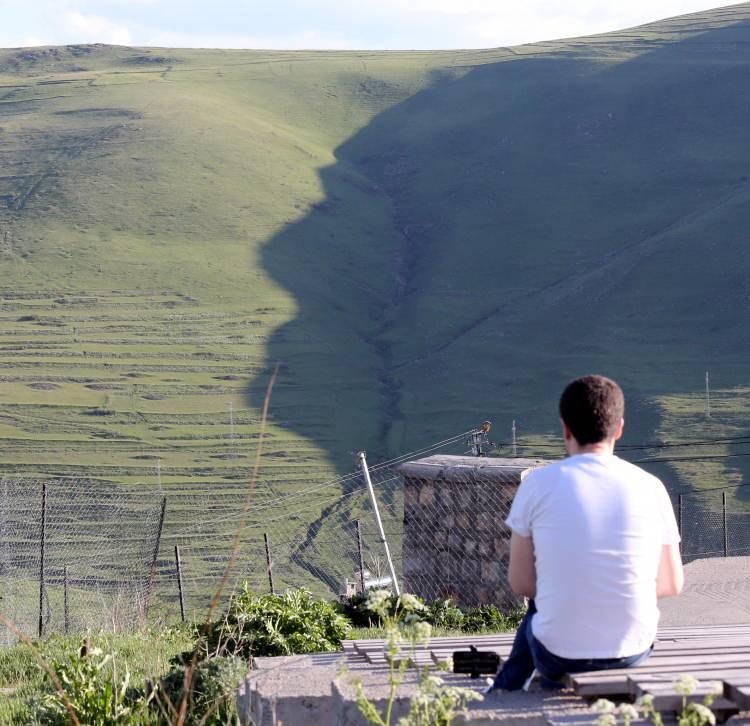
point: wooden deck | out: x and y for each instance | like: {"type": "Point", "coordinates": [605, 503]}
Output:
{"type": "Point", "coordinates": [718, 656]}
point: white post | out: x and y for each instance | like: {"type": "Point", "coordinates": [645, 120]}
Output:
{"type": "Point", "coordinates": [708, 398]}
{"type": "Point", "coordinates": [513, 432]}
{"type": "Point", "coordinates": [368, 481]}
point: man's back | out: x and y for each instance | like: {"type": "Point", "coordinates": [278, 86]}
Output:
{"type": "Point", "coordinates": [598, 525]}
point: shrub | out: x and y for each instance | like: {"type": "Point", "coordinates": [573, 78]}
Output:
{"type": "Point", "coordinates": [490, 617]}
{"type": "Point", "coordinates": [93, 690]}
{"type": "Point", "coordinates": [295, 622]}
{"type": "Point", "coordinates": [435, 703]}
{"type": "Point", "coordinates": [439, 613]}
{"type": "Point", "coordinates": [213, 689]}
{"type": "Point", "coordinates": [445, 614]}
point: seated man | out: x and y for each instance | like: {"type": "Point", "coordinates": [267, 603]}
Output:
{"type": "Point", "coordinates": [594, 542]}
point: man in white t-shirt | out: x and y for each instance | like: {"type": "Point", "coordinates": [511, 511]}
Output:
{"type": "Point", "coordinates": [594, 543]}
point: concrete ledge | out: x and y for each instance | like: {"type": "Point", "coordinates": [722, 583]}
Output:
{"type": "Point", "coordinates": [293, 689]}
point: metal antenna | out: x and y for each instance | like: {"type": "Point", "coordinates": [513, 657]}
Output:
{"type": "Point", "coordinates": [478, 439]}
{"type": "Point", "coordinates": [708, 398]}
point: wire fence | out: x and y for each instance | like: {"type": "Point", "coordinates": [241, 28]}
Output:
{"type": "Point", "coordinates": [75, 554]}
{"type": "Point", "coordinates": [324, 539]}
{"type": "Point", "coordinates": [444, 528]}
{"type": "Point", "coordinates": [714, 522]}
{"type": "Point", "coordinates": [443, 532]}
{"type": "Point", "coordinates": [91, 555]}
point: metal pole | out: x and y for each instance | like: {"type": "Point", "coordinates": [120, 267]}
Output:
{"type": "Point", "coordinates": [66, 612]}
{"type": "Point", "coordinates": [724, 520]}
{"type": "Point", "coordinates": [42, 538]}
{"type": "Point", "coordinates": [152, 572]}
{"type": "Point", "coordinates": [679, 515]}
{"type": "Point", "coordinates": [361, 558]}
{"type": "Point", "coordinates": [268, 561]}
{"type": "Point", "coordinates": [178, 562]}
{"type": "Point", "coordinates": [368, 481]}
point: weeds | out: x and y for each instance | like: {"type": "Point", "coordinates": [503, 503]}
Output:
{"type": "Point", "coordinates": [435, 703]}
{"type": "Point", "coordinates": [294, 622]}
{"type": "Point", "coordinates": [691, 714]}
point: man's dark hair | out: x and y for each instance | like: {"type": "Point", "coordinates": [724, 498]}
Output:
{"type": "Point", "coordinates": [592, 407]}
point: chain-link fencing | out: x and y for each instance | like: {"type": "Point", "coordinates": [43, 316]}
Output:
{"type": "Point", "coordinates": [75, 554]}
{"type": "Point", "coordinates": [714, 522]}
{"type": "Point", "coordinates": [441, 535]}
{"type": "Point", "coordinates": [442, 520]}
{"type": "Point", "coordinates": [443, 532]}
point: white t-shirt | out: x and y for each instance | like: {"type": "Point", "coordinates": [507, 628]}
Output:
{"type": "Point", "coordinates": [598, 524]}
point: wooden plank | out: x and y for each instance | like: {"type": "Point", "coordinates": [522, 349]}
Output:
{"type": "Point", "coordinates": [719, 644]}
{"type": "Point", "coordinates": [667, 699]}
{"type": "Point", "coordinates": [591, 680]}
{"type": "Point", "coordinates": [367, 646]}
{"type": "Point", "coordinates": [615, 682]}
{"type": "Point", "coordinates": [418, 660]}
{"type": "Point", "coordinates": [494, 638]}
{"type": "Point", "coordinates": [719, 626]}
{"type": "Point", "coordinates": [660, 652]}
{"type": "Point", "coordinates": [713, 628]}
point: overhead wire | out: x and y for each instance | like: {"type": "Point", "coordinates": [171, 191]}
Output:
{"type": "Point", "coordinates": [339, 481]}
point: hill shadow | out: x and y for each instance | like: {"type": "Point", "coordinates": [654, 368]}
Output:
{"type": "Point", "coordinates": [511, 227]}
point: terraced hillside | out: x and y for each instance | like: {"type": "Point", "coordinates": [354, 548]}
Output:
{"type": "Point", "coordinates": [420, 240]}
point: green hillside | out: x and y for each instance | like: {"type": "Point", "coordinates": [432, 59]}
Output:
{"type": "Point", "coordinates": [421, 240]}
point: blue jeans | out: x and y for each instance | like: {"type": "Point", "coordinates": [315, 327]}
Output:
{"type": "Point", "coordinates": [528, 654]}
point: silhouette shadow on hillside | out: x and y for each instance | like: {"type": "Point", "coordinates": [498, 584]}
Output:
{"type": "Point", "coordinates": [549, 216]}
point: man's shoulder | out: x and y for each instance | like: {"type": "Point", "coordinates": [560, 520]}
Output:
{"type": "Point", "coordinates": [569, 467]}
{"type": "Point", "coordinates": [549, 472]}
{"type": "Point", "coordinates": [633, 471]}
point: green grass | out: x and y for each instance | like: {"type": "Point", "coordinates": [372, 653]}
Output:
{"type": "Point", "coordinates": [146, 655]}
{"type": "Point", "coordinates": [421, 240]}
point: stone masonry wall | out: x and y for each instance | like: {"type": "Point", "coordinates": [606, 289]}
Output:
{"type": "Point", "coordinates": [456, 543]}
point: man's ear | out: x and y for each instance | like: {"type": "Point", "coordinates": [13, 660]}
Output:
{"type": "Point", "coordinates": [618, 433]}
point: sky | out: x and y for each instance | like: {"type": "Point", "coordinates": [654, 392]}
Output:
{"type": "Point", "coordinates": [324, 24]}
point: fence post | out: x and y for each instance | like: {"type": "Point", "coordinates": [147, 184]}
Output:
{"type": "Point", "coordinates": [42, 538]}
{"type": "Point", "coordinates": [679, 516]}
{"type": "Point", "coordinates": [178, 562]}
{"type": "Point", "coordinates": [361, 558]}
{"type": "Point", "coordinates": [152, 571]}
{"type": "Point", "coordinates": [724, 521]}
{"type": "Point", "coordinates": [268, 561]}
{"type": "Point", "coordinates": [66, 612]}
{"type": "Point", "coordinates": [384, 541]}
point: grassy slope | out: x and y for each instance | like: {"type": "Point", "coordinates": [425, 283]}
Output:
{"type": "Point", "coordinates": [420, 239]}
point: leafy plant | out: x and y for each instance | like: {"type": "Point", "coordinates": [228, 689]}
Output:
{"type": "Point", "coordinates": [692, 714]}
{"type": "Point", "coordinates": [211, 686]}
{"type": "Point", "coordinates": [445, 614]}
{"type": "Point", "coordinates": [295, 622]}
{"type": "Point", "coordinates": [435, 703]}
{"type": "Point", "coordinates": [359, 612]}
{"type": "Point", "coordinates": [490, 617]}
{"type": "Point", "coordinates": [93, 690]}
{"type": "Point", "coordinates": [439, 613]}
